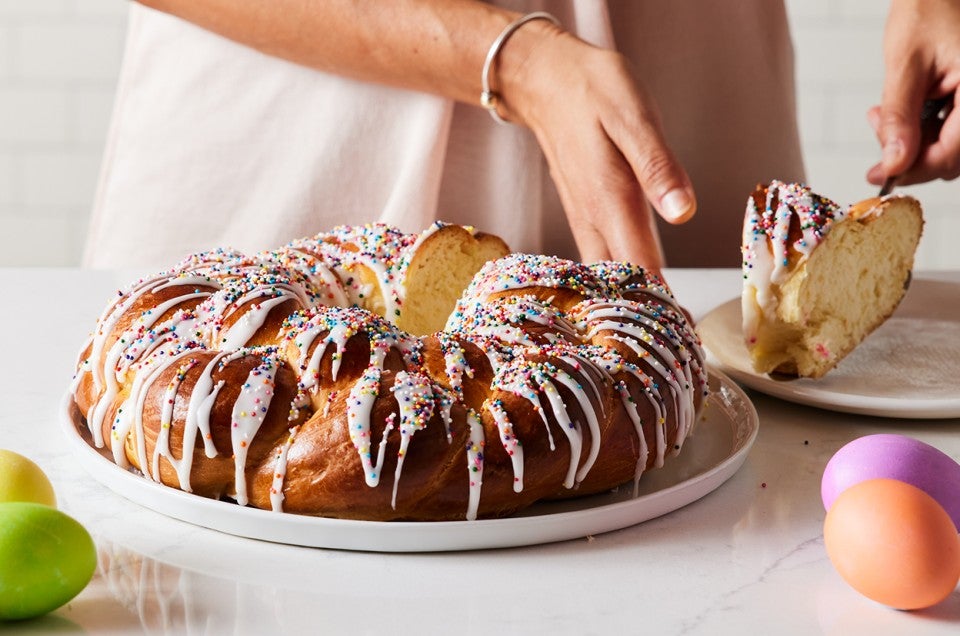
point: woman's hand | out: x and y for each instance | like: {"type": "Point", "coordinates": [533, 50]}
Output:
{"type": "Point", "coordinates": [922, 58]}
{"type": "Point", "coordinates": [601, 135]}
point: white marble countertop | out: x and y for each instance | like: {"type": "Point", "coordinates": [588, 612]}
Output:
{"type": "Point", "coordinates": [748, 558]}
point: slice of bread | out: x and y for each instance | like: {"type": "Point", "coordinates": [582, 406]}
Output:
{"type": "Point", "coordinates": [441, 265]}
{"type": "Point", "coordinates": [817, 278]}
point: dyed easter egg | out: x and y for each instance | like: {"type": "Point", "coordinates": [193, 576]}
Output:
{"type": "Point", "coordinates": [893, 543]}
{"type": "Point", "coordinates": [22, 480]}
{"type": "Point", "coordinates": [46, 558]}
{"type": "Point", "coordinates": [894, 457]}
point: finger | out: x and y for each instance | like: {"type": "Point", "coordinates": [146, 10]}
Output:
{"type": "Point", "coordinates": [663, 180]}
{"type": "Point", "coordinates": [609, 217]}
{"type": "Point", "coordinates": [904, 89]}
{"type": "Point", "coordinates": [940, 160]}
{"type": "Point", "coordinates": [619, 227]}
{"type": "Point", "coordinates": [876, 174]}
{"type": "Point", "coordinates": [634, 237]}
{"type": "Point", "coordinates": [628, 224]}
{"type": "Point", "coordinates": [873, 118]}
{"type": "Point", "coordinates": [591, 244]}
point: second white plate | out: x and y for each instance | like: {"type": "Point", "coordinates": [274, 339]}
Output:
{"type": "Point", "coordinates": [908, 368]}
{"type": "Point", "coordinates": [722, 439]}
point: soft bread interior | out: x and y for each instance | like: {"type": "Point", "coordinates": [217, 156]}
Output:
{"type": "Point", "coordinates": [441, 269]}
{"type": "Point", "coordinates": [847, 288]}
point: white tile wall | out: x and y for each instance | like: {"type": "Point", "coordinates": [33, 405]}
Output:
{"type": "Point", "coordinates": [59, 61]}
{"type": "Point", "coordinates": [58, 67]}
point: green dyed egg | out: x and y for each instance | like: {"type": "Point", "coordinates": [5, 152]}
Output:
{"type": "Point", "coordinates": [46, 558]}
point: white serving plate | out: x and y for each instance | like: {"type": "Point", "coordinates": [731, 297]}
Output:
{"type": "Point", "coordinates": [908, 368]}
{"type": "Point", "coordinates": [722, 440]}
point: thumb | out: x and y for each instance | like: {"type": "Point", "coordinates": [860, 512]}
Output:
{"type": "Point", "coordinates": [898, 124]}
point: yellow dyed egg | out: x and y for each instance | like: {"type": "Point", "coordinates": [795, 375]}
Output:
{"type": "Point", "coordinates": [46, 558]}
{"type": "Point", "coordinates": [22, 480]}
{"type": "Point", "coordinates": [893, 543]}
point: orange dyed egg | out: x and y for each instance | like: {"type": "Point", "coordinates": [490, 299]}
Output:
{"type": "Point", "coordinates": [893, 543]}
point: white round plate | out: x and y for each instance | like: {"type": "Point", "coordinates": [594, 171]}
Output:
{"type": "Point", "coordinates": [715, 452]}
{"type": "Point", "coordinates": [908, 368]}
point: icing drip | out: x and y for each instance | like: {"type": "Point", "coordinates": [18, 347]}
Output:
{"type": "Point", "coordinates": [162, 446]}
{"type": "Point", "coordinates": [359, 407]}
{"type": "Point", "coordinates": [130, 346]}
{"type": "Point", "coordinates": [415, 399]}
{"type": "Point", "coordinates": [529, 380]}
{"type": "Point", "coordinates": [249, 411]}
{"type": "Point", "coordinates": [793, 219]}
{"type": "Point", "coordinates": [198, 418]}
{"type": "Point", "coordinates": [645, 329]}
{"type": "Point", "coordinates": [474, 462]}
{"type": "Point", "coordinates": [324, 285]}
{"type": "Point", "coordinates": [130, 414]}
{"type": "Point", "coordinates": [280, 471]}
{"type": "Point", "coordinates": [455, 362]}
{"type": "Point", "coordinates": [252, 300]}
{"type": "Point", "coordinates": [630, 406]}
{"type": "Point", "coordinates": [510, 442]}
{"type": "Point", "coordinates": [374, 246]}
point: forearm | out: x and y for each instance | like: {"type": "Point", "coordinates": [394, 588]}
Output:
{"type": "Point", "coordinates": [435, 46]}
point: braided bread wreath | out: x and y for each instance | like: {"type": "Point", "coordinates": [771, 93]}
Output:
{"type": "Point", "coordinates": [331, 377]}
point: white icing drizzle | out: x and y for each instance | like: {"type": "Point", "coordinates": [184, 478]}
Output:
{"type": "Point", "coordinates": [327, 286]}
{"type": "Point", "coordinates": [280, 471]}
{"type": "Point", "coordinates": [359, 407]}
{"type": "Point", "coordinates": [633, 413]}
{"type": "Point", "coordinates": [510, 442]}
{"type": "Point", "coordinates": [766, 243]}
{"type": "Point", "coordinates": [379, 249]}
{"type": "Point", "coordinates": [683, 407]}
{"type": "Point", "coordinates": [475, 446]}
{"type": "Point", "coordinates": [162, 446]}
{"type": "Point", "coordinates": [240, 332]}
{"type": "Point", "coordinates": [249, 412]}
{"type": "Point", "coordinates": [337, 334]}
{"type": "Point", "coordinates": [124, 351]}
{"type": "Point", "coordinates": [107, 323]}
{"type": "Point", "coordinates": [415, 399]}
{"type": "Point", "coordinates": [445, 401]}
{"type": "Point", "coordinates": [254, 314]}
{"type": "Point", "coordinates": [587, 407]}
{"type": "Point", "coordinates": [635, 326]}
{"type": "Point", "coordinates": [529, 380]}
{"type": "Point", "coordinates": [198, 414]}
{"type": "Point", "coordinates": [196, 420]}
{"type": "Point", "coordinates": [132, 409]}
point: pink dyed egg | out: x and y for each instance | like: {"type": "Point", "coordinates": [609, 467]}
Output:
{"type": "Point", "coordinates": [888, 456]}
